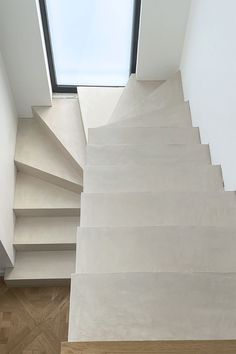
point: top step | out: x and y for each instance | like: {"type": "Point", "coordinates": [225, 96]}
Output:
{"type": "Point", "coordinates": [169, 94]}
{"type": "Point", "coordinates": [133, 93]}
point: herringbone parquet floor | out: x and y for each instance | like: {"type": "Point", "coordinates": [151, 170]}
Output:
{"type": "Point", "coordinates": [33, 320]}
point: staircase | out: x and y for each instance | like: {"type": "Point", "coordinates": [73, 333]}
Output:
{"type": "Point", "coordinates": [49, 159]}
{"type": "Point", "coordinates": [156, 246]}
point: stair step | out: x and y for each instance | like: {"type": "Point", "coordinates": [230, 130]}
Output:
{"type": "Point", "coordinates": [70, 136]}
{"type": "Point", "coordinates": [176, 116]}
{"type": "Point", "coordinates": [37, 154]}
{"type": "Point", "coordinates": [35, 197]}
{"type": "Point", "coordinates": [41, 268]}
{"type": "Point", "coordinates": [154, 209]}
{"type": "Point", "coordinates": [168, 94]}
{"type": "Point", "coordinates": [133, 93]}
{"type": "Point", "coordinates": [156, 249]}
{"type": "Point", "coordinates": [146, 154]}
{"type": "Point", "coordinates": [155, 177]}
{"type": "Point", "coordinates": [45, 233]}
{"type": "Point", "coordinates": [152, 306]}
{"type": "Point", "coordinates": [143, 135]}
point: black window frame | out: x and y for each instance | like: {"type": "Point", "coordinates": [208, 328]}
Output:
{"type": "Point", "coordinates": [73, 88]}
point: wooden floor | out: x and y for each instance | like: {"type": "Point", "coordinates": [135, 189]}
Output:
{"type": "Point", "coordinates": [155, 347]}
{"type": "Point", "coordinates": [33, 320]}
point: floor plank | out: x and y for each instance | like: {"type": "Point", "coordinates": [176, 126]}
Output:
{"type": "Point", "coordinates": [33, 320]}
{"type": "Point", "coordinates": [154, 347]}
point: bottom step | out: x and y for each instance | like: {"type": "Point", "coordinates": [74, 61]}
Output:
{"type": "Point", "coordinates": [152, 306]}
{"type": "Point", "coordinates": [152, 347]}
{"type": "Point", "coordinates": [41, 268]}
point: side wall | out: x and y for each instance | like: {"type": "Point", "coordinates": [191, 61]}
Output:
{"type": "Point", "coordinates": [161, 37]}
{"type": "Point", "coordinates": [23, 50]}
{"type": "Point", "coordinates": [7, 176]}
{"type": "Point", "coordinates": [209, 79]}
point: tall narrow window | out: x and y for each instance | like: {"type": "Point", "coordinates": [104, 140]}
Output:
{"type": "Point", "coordinates": [91, 42]}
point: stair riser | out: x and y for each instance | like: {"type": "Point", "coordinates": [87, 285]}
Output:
{"type": "Point", "coordinates": [47, 212]}
{"type": "Point", "coordinates": [113, 136]}
{"type": "Point", "coordinates": [146, 154]}
{"type": "Point", "coordinates": [136, 209]}
{"type": "Point", "coordinates": [44, 247]}
{"type": "Point", "coordinates": [149, 306]}
{"type": "Point", "coordinates": [47, 177]}
{"type": "Point", "coordinates": [41, 268]}
{"type": "Point", "coordinates": [156, 249]}
{"type": "Point", "coordinates": [37, 282]}
{"type": "Point", "coordinates": [119, 179]}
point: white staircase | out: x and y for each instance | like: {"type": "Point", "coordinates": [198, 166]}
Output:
{"type": "Point", "coordinates": [156, 247]}
{"type": "Point", "coordinates": [49, 159]}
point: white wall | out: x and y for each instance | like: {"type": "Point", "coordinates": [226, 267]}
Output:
{"type": "Point", "coordinates": [209, 79]}
{"type": "Point", "coordinates": [8, 130]}
{"type": "Point", "coordinates": [161, 37]}
{"type": "Point", "coordinates": [24, 53]}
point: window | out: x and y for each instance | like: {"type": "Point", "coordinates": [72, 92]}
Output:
{"type": "Point", "coordinates": [90, 42]}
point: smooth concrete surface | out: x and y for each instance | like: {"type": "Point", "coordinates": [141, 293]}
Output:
{"type": "Point", "coordinates": [64, 121]}
{"type": "Point", "coordinates": [134, 92]}
{"type": "Point", "coordinates": [34, 193]}
{"type": "Point", "coordinates": [163, 208]}
{"type": "Point", "coordinates": [36, 149]}
{"type": "Point", "coordinates": [49, 177]}
{"type": "Point", "coordinates": [154, 177]}
{"type": "Point", "coordinates": [7, 176]}
{"type": "Point", "coordinates": [36, 267]}
{"type": "Point", "coordinates": [45, 233]}
{"type": "Point", "coordinates": [143, 135]}
{"type": "Point", "coordinates": [97, 105]}
{"type": "Point", "coordinates": [152, 306]}
{"type": "Point", "coordinates": [156, 249]}
{"type": "Point", "coordinates": [176, 116]}
{"type": "Point", "coordinates": [169, 93]}
{"type": "Point", "coordinates": [148, 153]}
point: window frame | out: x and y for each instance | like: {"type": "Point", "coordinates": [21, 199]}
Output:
{"type": "Point", "coordinates": [73, 88]}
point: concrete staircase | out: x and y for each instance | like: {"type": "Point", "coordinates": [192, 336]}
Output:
{"type": "Point", "coordinates": [49, 159]}
{"type": "Point", "coordinates": [156, 247]}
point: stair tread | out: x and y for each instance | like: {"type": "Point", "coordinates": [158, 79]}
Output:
{"type": "Point", "coordinates": [45, 233]}
{"type": "Point", "coordinates": [35, 149]}
{"type": "Point", "coordinates": [42, 265]}
{"type": "Point", "coordinates": [71, 136]}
